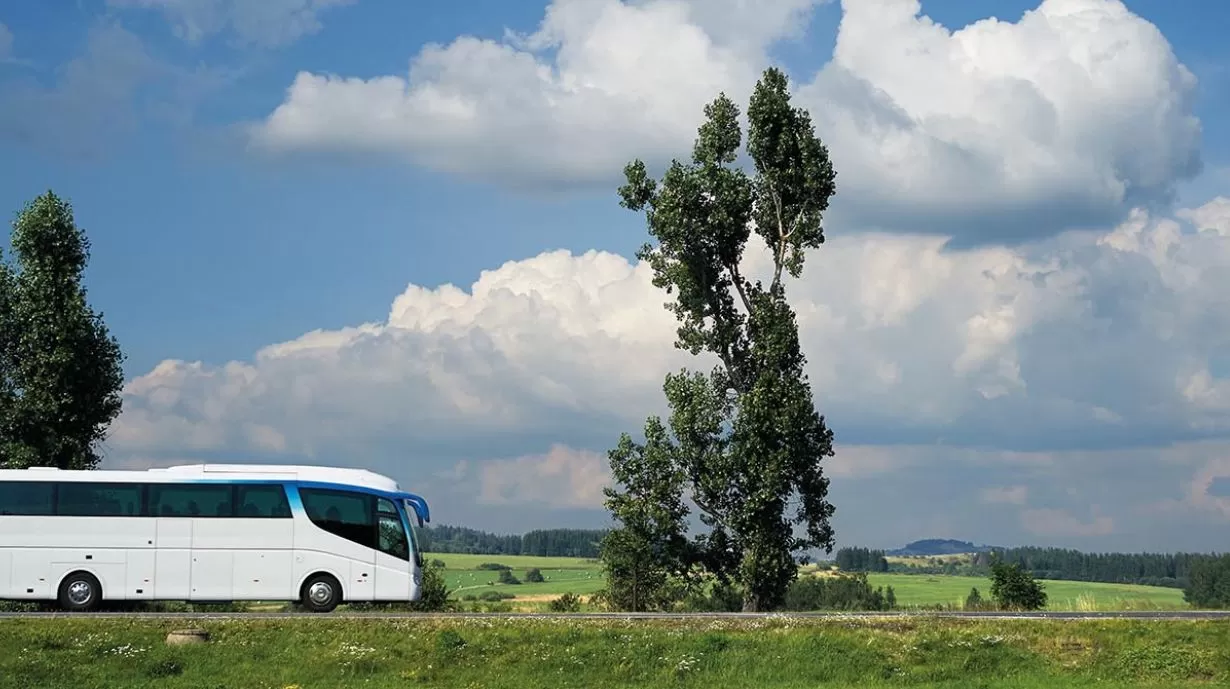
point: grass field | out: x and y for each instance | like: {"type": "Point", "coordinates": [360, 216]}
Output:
{"type": "Point", "coordinates": [925, 589]}
{"type": "Point", "coordinates": [584, 577]}
{"type": "Point", "coordinates": [511, 653]}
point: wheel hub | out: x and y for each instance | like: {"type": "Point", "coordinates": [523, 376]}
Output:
{"type": "Point", "coordinates": [320, 593]}
{"type": "Point", "coordinates": [80, 592]}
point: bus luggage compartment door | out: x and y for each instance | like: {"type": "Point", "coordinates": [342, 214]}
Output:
{"type": "Point", "coordinates": [173, 563]}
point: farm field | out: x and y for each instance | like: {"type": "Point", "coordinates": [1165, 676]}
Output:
{"type": "Point", "coordinates": [511, 652]}
{"type": "Point", "coordinates": [930, 589]}
{"type": "Point", "coordinates": [584, 577]}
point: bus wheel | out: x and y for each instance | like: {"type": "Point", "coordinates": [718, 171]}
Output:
{"type": "Point", "coordinates": [321, 593]}
{"type": "Point", "coordinates": [80, 592]}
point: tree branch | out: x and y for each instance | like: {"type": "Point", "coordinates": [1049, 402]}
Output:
{"type": "Point", "coordinates": [738, 280]}
{"type": "Point", "coordinates": [710, 511]}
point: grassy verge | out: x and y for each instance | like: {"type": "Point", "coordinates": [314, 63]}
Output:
{"type": "Point", "coordinates": [517, 653]}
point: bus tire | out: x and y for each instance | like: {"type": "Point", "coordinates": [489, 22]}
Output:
{"type": "Point", "coordinates": [321, 593]}
{"type": "Point", "coordinates": [80, 592]}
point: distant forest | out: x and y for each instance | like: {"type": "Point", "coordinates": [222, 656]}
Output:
{"type": "Point", "coordinates": [541, 543]}
{"type": "Point", "coordinates": [1151, 569]}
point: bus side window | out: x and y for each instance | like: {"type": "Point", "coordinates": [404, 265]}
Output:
{"type": "Point", "coordinates": [26, 498]}
{"type": "Point", "coordinates": [263, 501]}
{"type": "Point", "coordinates": [190, 500]}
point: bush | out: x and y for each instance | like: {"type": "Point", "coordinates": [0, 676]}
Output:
{"type": "Point", "coordinates": [974, 600]}
{"type": "Point", "coordinates": [507, 577]}
{"type": "Point", "coordinates": [433, 594]}
{"type": "Point", "coordinates": [842, 592]}
{"type": "Point", "coordinates": [1015, 589]}
{"type": "Point", "coordinates": [534, 575]}
{"type": "Point", "coordinates": [493, 566]}
{"type": "Point", "coordinates": [569, 602]}
{"type": "Point", "coordinates": [494, 596]}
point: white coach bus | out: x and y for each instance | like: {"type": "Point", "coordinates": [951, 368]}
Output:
{"type": "Point", "coordinates": [208, 532]}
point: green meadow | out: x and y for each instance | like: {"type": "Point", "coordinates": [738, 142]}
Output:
{"type": "Point", "coordinates": [584, 577]}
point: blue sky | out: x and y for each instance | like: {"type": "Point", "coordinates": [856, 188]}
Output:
{"type": "Point", "coordinates": [312, 174]}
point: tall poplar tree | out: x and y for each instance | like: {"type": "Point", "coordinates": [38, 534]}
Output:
{"type": "Point", "coordinates": [60, 369]}
{"type": "Point", "coordinates": [745, 438]}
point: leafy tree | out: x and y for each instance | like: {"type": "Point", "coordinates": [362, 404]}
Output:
{"type": "Point", "coordinates": [60, 370]}
{"type": "Point", "coordinates": [890, 598]}
{"type": "Point", "coordinates": [651, 546]}
{"type": "Point", "coordinates": [507, 577]}
{"type": "Point", "coordinates": [1209, 583]}
{"type": "Point", "coordinates": [1015, 589]}
{"type": "Point", "coordinates": [746, 436]}
{"type": "Point", "coordinates": [533, 575]}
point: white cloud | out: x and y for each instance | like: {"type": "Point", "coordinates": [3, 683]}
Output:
{"type": "Point", "coordinates": [563, 477]}
{"type": "Point", "coordinates": [263, 22]}
{"type": "Point", "coordinates": [1004, 129]}
{"type": "Point", "coordinates": [1211, 217]}
{"type": "Point", "coordinates": [572, 349]}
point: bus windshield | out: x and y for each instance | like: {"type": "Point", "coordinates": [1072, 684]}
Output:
{"type": "Point", "coordinates": [413, 532]}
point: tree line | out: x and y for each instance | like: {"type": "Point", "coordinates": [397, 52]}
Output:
{"type": "Point", "coordinates": [860, 560]}
{"type": "Point", "coordinates": [1149, 569]}
{"type": "Point", "coordinates": [541, 543]}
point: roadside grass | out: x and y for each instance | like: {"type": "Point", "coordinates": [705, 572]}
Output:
{"type": "Point", "coordinates": [512, 652]}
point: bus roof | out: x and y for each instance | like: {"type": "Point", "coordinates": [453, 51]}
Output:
{"type": "Point", "coordinates": [361, 478]}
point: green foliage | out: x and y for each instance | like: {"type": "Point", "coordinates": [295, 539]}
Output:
{"type": "Point", "coordinates": [433, 594]}
{"type": "Point", "coordinates": [60, 370]}
{"type": "Point", "coordinates": [1209, 584]}
{"type": "Point", "coordinates": [974, 600]}
{"type": "Point", "coordinates": [534, 575]}
{"type": "Point", "coordinates": [493, 566]}
{"type": "Point", "coordinates": [890, 597]}
{"type": "Point", "coordinates": [437, 563]}
{"type": "Point", "coordinates": [651, 546]}
{"type": "Point", "coordinates": [540, 543]}
{"type": "Point", "coordinates": [569, 602]}
{"type": "Point", "coordinates": [507, 577]}
{"type": "Point", "coordinates": [861, 560]}
{"type": "Point", "coordinates": [842, 592]}
{"type": "Point", "coordinates": [1015, 589]}
{"type": "Point", "coordinates": [746, 442]}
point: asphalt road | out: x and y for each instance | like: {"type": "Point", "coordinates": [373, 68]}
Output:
{"type": "Point", "coordinates": [1055, 615]}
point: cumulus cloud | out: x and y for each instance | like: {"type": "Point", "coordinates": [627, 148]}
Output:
{"type": "Point", "coordinates": [999, 130]}
{"type": "Point", "coordinates": [908, 342]}
{"type": "Point", "coordinates": [270, 23]}
{"type": "Point", "coordinates": [563, 477]}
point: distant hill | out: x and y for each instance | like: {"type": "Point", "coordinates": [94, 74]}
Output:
{"type": "Point", "coordinates": [939, 546]}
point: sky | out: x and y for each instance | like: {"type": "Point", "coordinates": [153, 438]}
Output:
{"type": "Point", "coordinates": [386, 235]}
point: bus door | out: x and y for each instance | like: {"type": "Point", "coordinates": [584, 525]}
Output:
{"type": "Point", "coordinates": [392, 553]}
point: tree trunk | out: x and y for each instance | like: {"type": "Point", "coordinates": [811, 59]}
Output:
{"type": "Point", "coordinates": [751, 602]}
